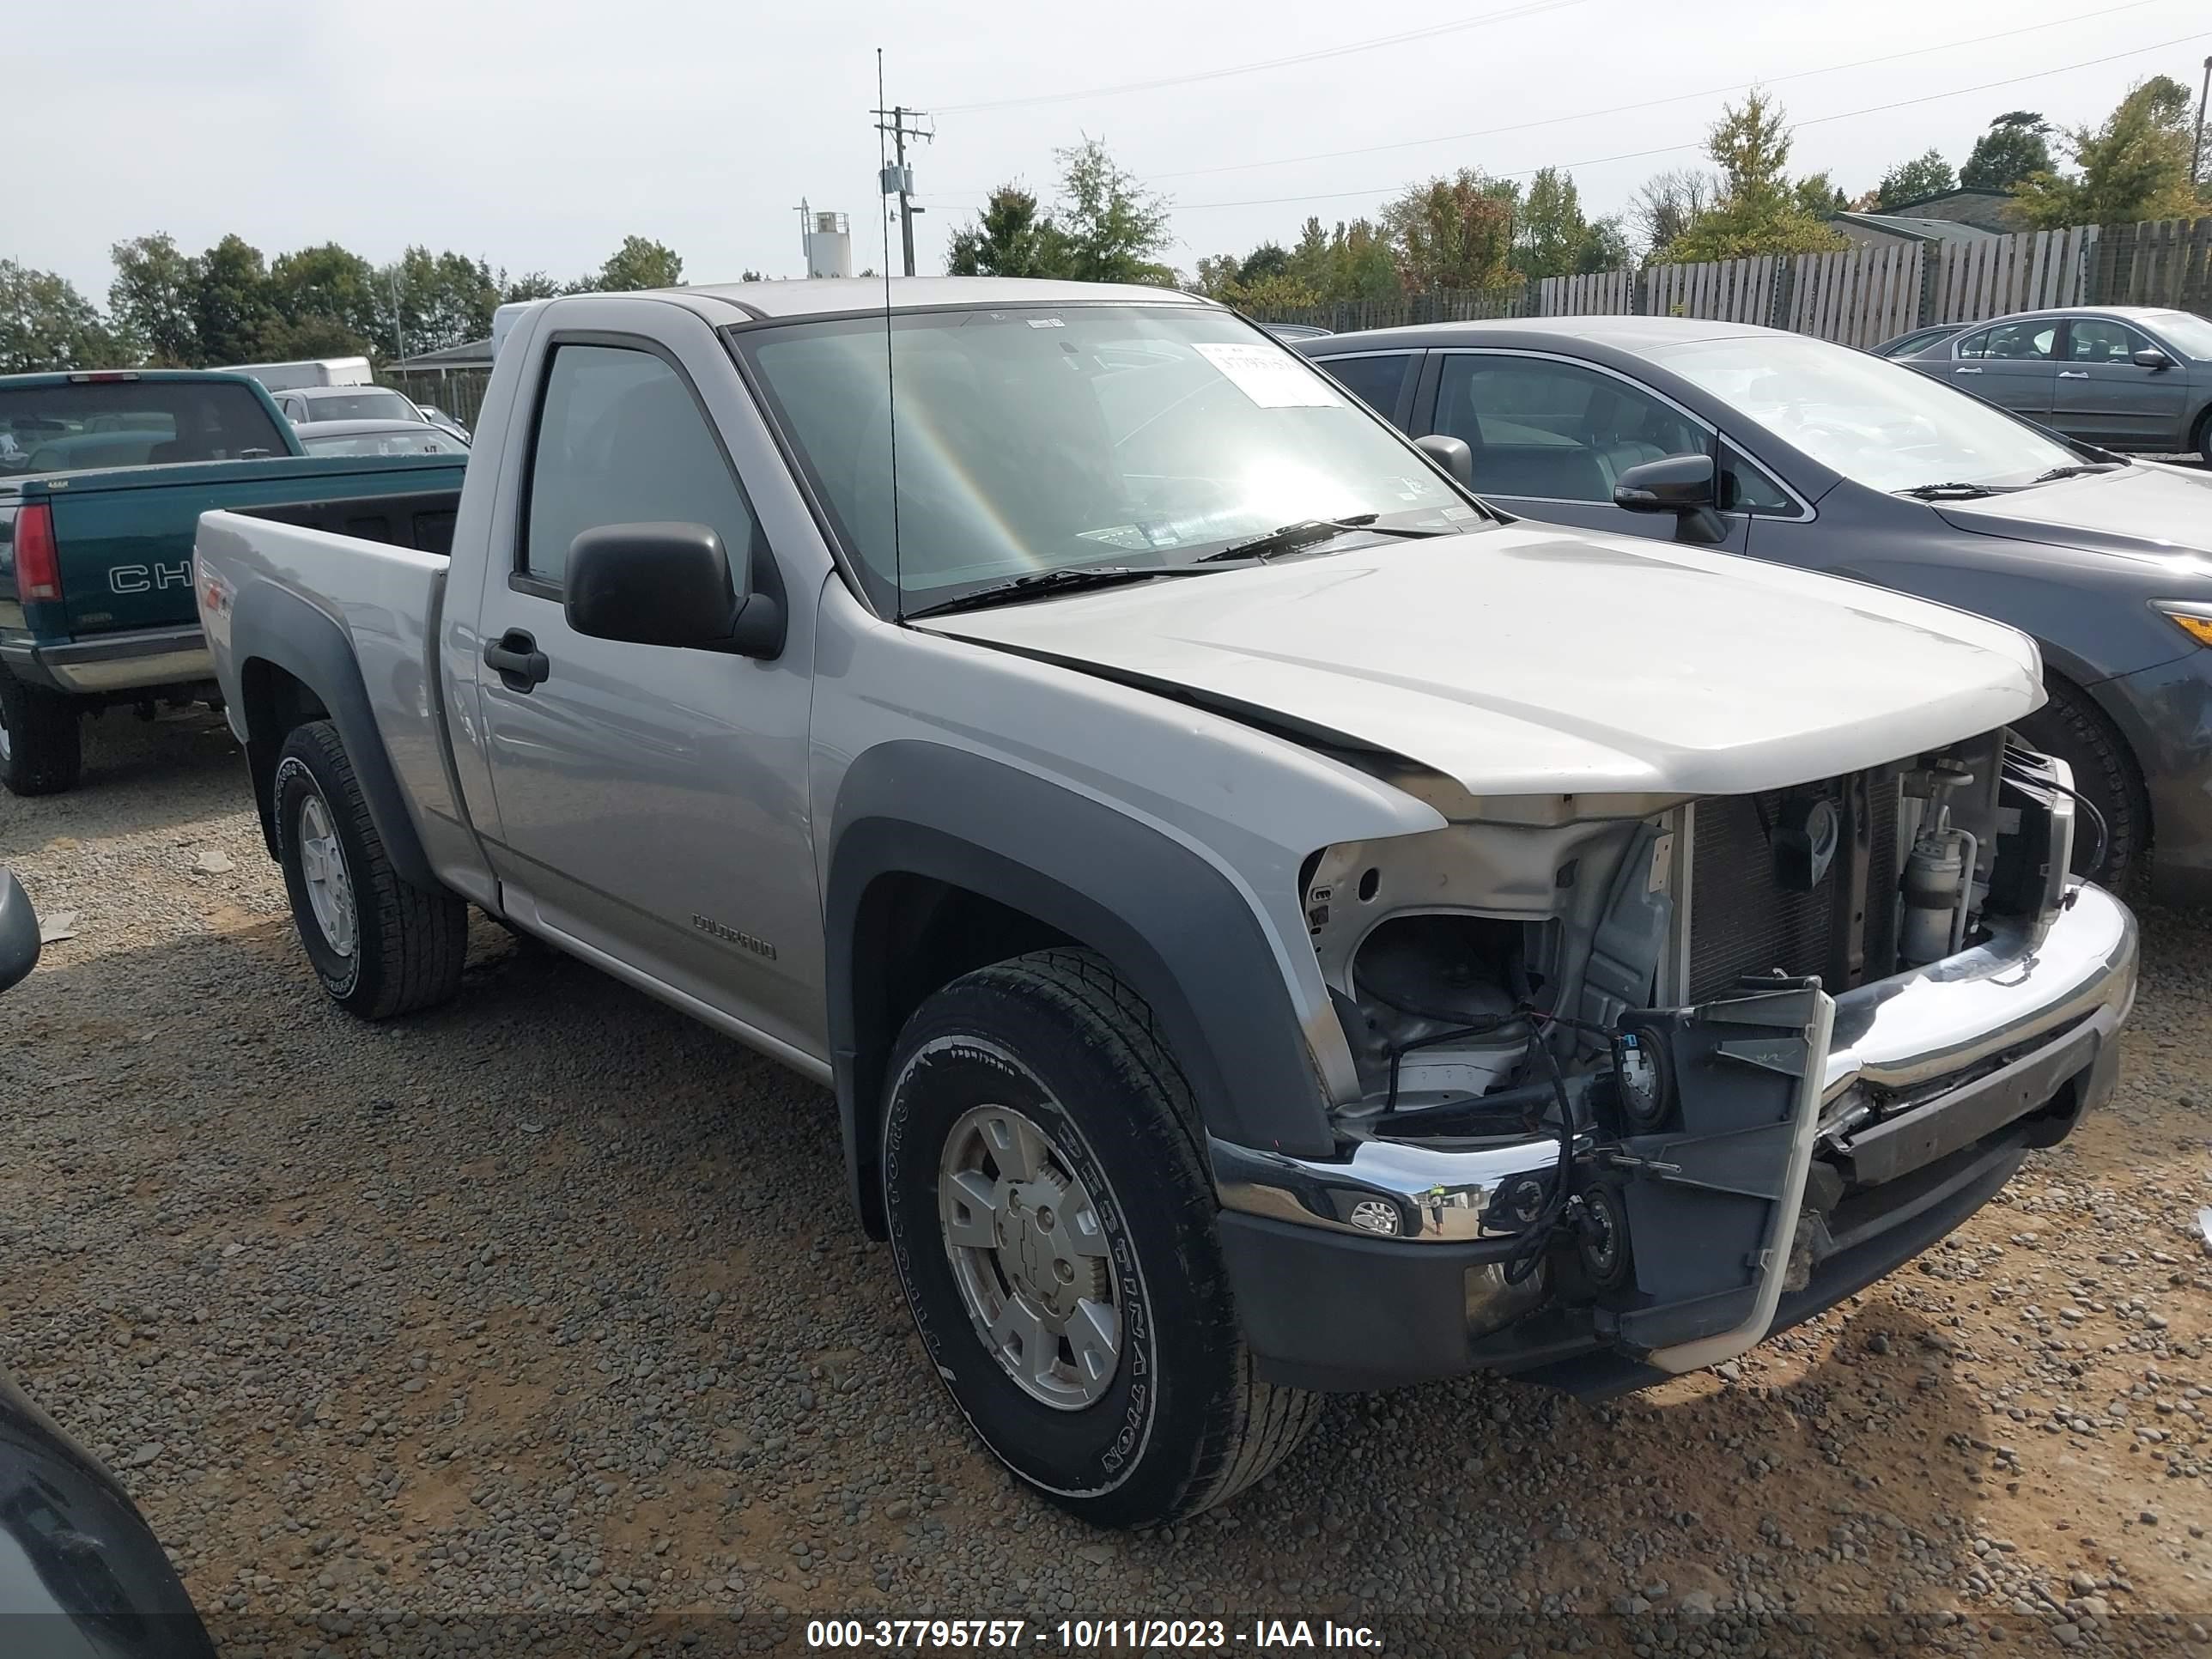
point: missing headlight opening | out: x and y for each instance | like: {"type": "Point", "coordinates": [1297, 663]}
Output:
{"type": "Point", "coordinates": [1633, 1009]}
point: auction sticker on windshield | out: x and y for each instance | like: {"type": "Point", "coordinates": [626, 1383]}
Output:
{"type": "Point", "coordinates": [1268, 375]}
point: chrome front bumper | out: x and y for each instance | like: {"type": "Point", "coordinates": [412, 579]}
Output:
{"type": "Point", "coordinates": [1906, 1033]}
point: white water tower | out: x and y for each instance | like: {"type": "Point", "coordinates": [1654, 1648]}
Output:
{"type": "Point", "coordinates": [829, 245]}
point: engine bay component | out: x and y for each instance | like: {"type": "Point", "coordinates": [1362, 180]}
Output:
{"type": "Point", "coordinates": [1936, 873]}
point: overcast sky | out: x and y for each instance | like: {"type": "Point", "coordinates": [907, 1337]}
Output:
{"type": "Point", "coordinates": [537, 134]}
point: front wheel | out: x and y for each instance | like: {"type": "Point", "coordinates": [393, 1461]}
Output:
{"type": "Point", "coordinates": [380, 945]}
{"type": "Point", "coordinates": [2071, 726]}
{"type": "Point", "coordinates": [1053, 1228]}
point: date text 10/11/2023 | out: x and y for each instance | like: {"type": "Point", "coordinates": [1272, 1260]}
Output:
{"type": "Point", "coordinates": [1089, 1635]}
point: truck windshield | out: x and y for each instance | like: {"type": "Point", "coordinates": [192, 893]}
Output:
{"type": "Point", "coordinates": [1036, 439]}
{"type": "Point", "coordinates": [71, 426]}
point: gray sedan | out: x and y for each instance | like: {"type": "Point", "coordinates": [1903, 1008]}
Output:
{"type": "Point", "coordinates": [2127, 377]}
{"type": "Point", "coordinates": [1803, 452]}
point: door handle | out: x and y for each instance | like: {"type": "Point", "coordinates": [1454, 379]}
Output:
{"type": "Point", "coordinates": [2073, 374]}
{"type": "Point", "coordinates": [514, 656]}
{"type": "Point", "coordinates": [1965, 371]}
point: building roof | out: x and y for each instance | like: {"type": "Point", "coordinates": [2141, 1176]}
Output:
{"type": "Point", "coordinates": [1919, 229]}
{"type": "Point", "coordinates": [1952, 194]}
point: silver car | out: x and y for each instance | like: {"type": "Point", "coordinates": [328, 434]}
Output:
{"type": "Point", "coordinates": [2125, 377]}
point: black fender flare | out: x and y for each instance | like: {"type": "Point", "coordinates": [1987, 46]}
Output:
{"type": "Point", "coordinates": [273, 625]}
{"type": "Point", "coordinates": [1173, 925]}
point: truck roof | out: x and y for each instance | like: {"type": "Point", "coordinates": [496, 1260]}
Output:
{"type": "Point", "coordinates": [841, 296]}
{"type": "Point", "coordinates": [89, 376]}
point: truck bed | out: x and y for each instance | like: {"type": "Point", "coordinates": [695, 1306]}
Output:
{"type": "Point", "coordinates": [124, 535]}
{"type": "Point", "coordinates": [373, 590]}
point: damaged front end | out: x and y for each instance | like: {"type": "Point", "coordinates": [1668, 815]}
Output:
{"type": "Point", "coordinates": [1658, 1085]}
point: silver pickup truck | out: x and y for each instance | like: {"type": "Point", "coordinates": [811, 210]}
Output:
{"type": "Point", "coordinates": [1273, 923]}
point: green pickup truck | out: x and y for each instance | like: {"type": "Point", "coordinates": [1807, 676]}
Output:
{"type": "Point", "coordinates": [103, 477]}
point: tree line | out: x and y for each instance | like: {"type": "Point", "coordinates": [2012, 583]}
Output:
{"type": "Point", "coordinates": [1472, 229]}
{"type": "Point", "coordinates": [173, 309]}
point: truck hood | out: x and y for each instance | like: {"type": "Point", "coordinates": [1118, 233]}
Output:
{"type": "Point", "coordinates": [2152, 512]}
{"type": "Point", "coordinates": [1525, 659]}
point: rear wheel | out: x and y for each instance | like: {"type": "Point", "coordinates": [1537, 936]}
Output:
{"type": "Point", "coordinates": [1053, 1227]}
{"type": "Point", "coordinates": [2071, 726]}
{"type": "Point", "coordinates": [42, 751]}
{"type": "Point", "coordinates": [380, 945]}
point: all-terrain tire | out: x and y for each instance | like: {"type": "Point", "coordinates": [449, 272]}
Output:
{"type": "Point", "coordinates": [382, 946]}
{"type": "Point", "coordinates": [2071, 726]}
{"type": "Point", "coordinates": [41, 747]}
{"type": "Point", "coordinates": [1184, 1422]}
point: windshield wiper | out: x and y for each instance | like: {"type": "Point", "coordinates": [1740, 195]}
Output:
{"type": "Point", "coordinates": [1038, 583]}
{"type": "Point", "coordinates": [2079, 471]}
{"type": "Point", "coordinates": [1948, 492]}
{"type": "Point", "coordinates": [1310, 532]}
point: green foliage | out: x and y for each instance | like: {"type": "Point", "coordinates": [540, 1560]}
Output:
{"type": "Point", "coordinates": [1552, 239]}
{"type": "Point", "coordinates": [45, 323]}
{"type": "Point", "coordinates": [1111, 224]}
{"type": "Point", "coordinates": [1266, 261]}
{"type": "Point", "coordinates": [1105, 227]}
{"type": "Point", "coordinates": [639, 262]}
{"type": "Point", "coordinates": [173, 309]}
{"type": "Point", "coordinates": [2133, 167]}
{"type": "Point", "coordinates": [1455, 232]}
{"type": "Point", "coordinates": [153, 304]}
{"type": "Point", "coordinates": [1759, 210]}
{"type": "Point", "coordinates": [231, 305]}
{"type": "Point", "coordinates": [444, 300]}
{"type": "Point", "coordinates": [2013, 149]}
{"type": "Point", "coordinates": [1013, 238]}
{"type": "Point", "coordinates": [1818, 195]}
{"type": "Point", "coordinates": [1914, 180]}
{"type": "Point", "coordinates": [327, 306]}
{"type": "Point", "coordinates": [533, 285]}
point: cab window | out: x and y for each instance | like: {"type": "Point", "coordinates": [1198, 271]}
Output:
{"type": "Point", "coordinates": [620, 440]}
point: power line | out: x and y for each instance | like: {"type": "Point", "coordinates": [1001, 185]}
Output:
{"type": "Point", "coordinates": [1653, 103]}
{"type": "Point", "coordinates": [1533, 7]}
{"type": "Point", "coordinates": [1673, 149]}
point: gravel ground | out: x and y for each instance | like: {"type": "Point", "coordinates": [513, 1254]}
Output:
{"type": "Point", "coordinates": [541, 1322]}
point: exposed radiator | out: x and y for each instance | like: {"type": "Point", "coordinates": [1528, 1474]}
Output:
{"type": "Point", "coordinates": [1743, 921]}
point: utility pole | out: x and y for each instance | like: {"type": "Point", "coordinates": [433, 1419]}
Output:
{"type": "Point", "coordinates": [398, 328]}
{"type": "Point", "coordinates": [903, 124]}
{"type": "Point", "coordinates": [2197, 155]}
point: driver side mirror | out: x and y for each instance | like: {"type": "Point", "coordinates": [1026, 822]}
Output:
{"type": "Point", "coordinates": [19, 931]}
{"type": "Point", "coordinates": [669, 585]}
{"type": "Point", "coordinates": [1685, 485]}
{"type": "Point", "coordinates": [1450, 453]}
{"type": "Point", "coordinates": [1673, 483]}
{"type": "Point", "coordinates": [2152, 357]}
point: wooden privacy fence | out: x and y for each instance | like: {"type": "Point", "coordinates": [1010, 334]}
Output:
{"type": "Point", "coordinates": [1731, 291]}
{"type": "Point", "coordinates": [1859, 296]}
{"type": "Point", "coordinates": [2168, 263]}
{"type": "Point", "coordinates": [2026, 273]}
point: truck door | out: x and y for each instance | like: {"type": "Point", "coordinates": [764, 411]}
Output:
{"type": "Point", "coordinates": [652, 800]}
